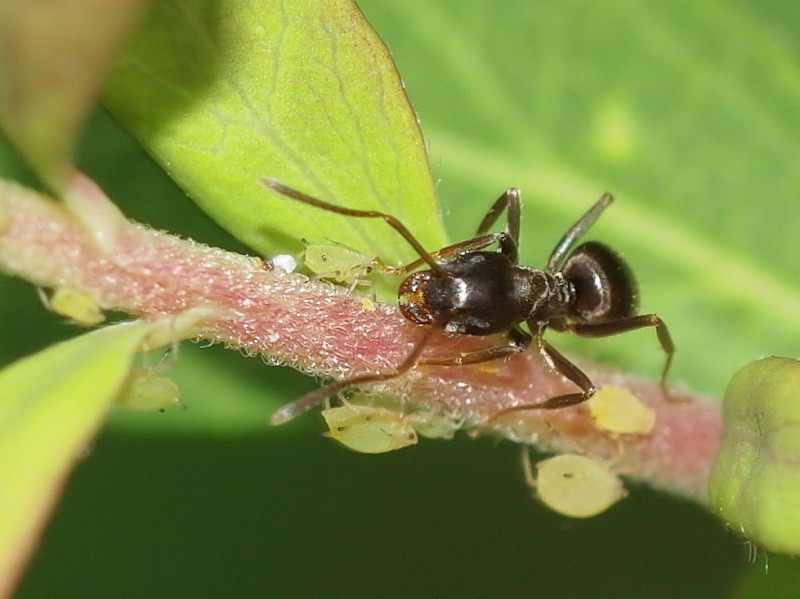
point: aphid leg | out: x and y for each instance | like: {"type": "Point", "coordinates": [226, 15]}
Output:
{"type": "Point", "coordinates": [615, 461]}
{"type": "Point", "coordinates": [527, 467]}
{"type": "Point", "coordinates": [562, 250]}
{"type": "Point", "coordinates": [308, 401]}
{"type": "Point", "coordinates": [518, 342]}
{"type": "Point", "coordinates": [509, 199]}
{"type": "Point", "coordinates": [632, 323]}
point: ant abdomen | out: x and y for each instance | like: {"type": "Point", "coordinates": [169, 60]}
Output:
{"type": "Point", "coordinates": [605, 290]}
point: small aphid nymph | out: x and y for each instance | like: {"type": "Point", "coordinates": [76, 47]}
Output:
{"type": "Point", "coordinates": [368, 429]}
{"type": "Point", "coordinates": [574, 485]}
{"type": "Point", "coordinates": [148, 390]}
{"type": "Point", "coordinates": [618, 411]}
{"type": "Point", "coordinates": [435, 425]}
{"type": "Point", "coordinates": [337, 262]}
{"type": "Point", "coordinates": [78, 306]}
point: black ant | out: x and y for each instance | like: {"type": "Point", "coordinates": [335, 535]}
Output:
{"type": "Point", "coordinates": [588, 291]}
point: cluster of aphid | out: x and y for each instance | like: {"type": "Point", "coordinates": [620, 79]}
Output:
{"type": "Point", "coordinates": [465, 290]}
{"type": "Point", "coordinates": [580, 485]}
{"type": "Point", "coordinates": [147, 389]}
{"type": "Point", "coordinates": [376, 429]}
{"type": "Point", "coordinates": [572, 484]}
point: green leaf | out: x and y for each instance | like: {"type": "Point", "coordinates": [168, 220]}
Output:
{"type": "Point", "coordinates": [50, 71]}
{"type": "Point", "coordinates": [52, 404]}
{"type": "Point", "coordinates": [225, 94]}
{"type": "Point", "coordinates": [686, 111]}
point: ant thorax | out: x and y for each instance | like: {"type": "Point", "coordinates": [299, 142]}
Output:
{"type": "Point", "coordinates": [549, 296]}
{"type": "Point", "coordinates": [482, 293]}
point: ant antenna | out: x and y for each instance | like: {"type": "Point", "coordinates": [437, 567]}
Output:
{"type": "Point", "coordinates": [308, 401]}
{"type": "Point", "coordinates": [561, 251]}
{"type": "Point", "coordinates": [390, 220]}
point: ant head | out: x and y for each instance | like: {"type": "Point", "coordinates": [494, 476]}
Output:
{"type": "Point", "coordinates": [413, 297]}
{"type": "Point", "coordinates": [605, 289]}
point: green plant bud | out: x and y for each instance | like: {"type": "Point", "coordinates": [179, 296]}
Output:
{"type": "Point", "coordinates": [755, 480]}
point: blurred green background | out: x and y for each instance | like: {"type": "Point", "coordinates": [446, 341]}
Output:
{"type": "Point", "coordinates": [687, 112]}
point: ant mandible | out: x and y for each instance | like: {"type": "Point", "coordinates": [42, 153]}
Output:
{"type": "Point", "coordinates": [588, 291]}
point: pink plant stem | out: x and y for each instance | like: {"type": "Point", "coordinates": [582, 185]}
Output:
{"type": "Point", "coordinates": [313, 326]}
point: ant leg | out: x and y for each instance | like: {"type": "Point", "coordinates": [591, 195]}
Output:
{"type": "Point", "coordinates": [390, 220]}
{"type": "Point", "coordinates": [561, 251]}
{"type": "Point", "coordinates": [604, 329]}
{"type": "Point", "coordinates": [566, 368]}
{"type": "Point", "coordinates": [447, 253]}
{"type": "Point", "coordinates": [518, 342]}
{"type": "Point", "coordinates": [308, 401]}
{"type": "Point", "coordinates": [504, 239]}
{"type": "Point", "coordinates": [510, 199]}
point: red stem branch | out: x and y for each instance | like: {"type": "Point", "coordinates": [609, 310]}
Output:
{"type": "Point", "coordinates": [313, 326]}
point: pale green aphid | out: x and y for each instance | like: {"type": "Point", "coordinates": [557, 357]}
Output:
{"type": "Point", "coordinates": [76, 305]}
{"type": "Point", "coordinates": [575, 485]}
{"type": "Point", "coordinates": [755, 481]}
{"type": "Point", "coordinates": [435, 425]}
{"type": "Point", "coordinates": [148, 390]}
{"type": "Point", "coordinates": [369, 429]}
{"type": "Point", "coordinates": [618, 411]}
{"type": "Point", "coordinates": [337, 262]}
